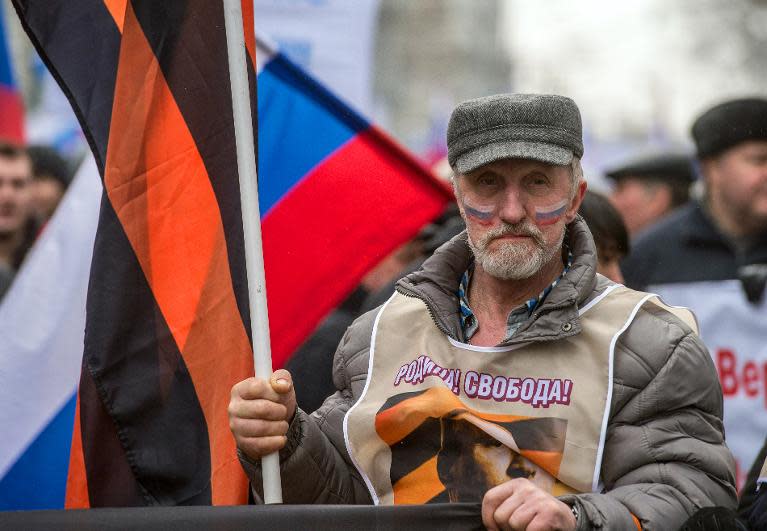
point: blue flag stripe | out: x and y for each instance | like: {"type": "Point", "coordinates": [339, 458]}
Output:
{"type": "Point", "coordinates": [38, 479]}
{"type": "Point", "coordinates": [294, 110]}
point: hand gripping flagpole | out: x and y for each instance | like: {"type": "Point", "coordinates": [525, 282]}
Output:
{"type": "Point", "coordinates": [251, 221]}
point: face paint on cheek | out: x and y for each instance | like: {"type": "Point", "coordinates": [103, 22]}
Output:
{"type": "Point", "coordinates": [549, 215]}
{"type": "Point", "coordinates": [483, 215]}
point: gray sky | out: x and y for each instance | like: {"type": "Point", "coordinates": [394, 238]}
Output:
{"type": "Point", "coordinates": [639, 66]}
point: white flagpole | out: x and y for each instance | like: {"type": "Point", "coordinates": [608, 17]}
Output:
{"type": "Point", "coordinates": [251, 221]}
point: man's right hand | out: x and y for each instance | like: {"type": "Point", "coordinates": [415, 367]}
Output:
{"type": "Point", "coordinates": [260, 412]}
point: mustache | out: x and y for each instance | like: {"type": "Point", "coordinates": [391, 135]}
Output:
{"type": "Point", "coordinates": [523, 228]}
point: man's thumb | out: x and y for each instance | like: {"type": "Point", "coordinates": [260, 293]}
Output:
{"type": "Point", "coordinates": [281, 381]}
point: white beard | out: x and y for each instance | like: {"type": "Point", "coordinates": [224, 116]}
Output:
{"type": "Point", "coordinates": [515, 260]}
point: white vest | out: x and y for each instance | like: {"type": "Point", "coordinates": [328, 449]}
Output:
{"type": "Point", "coordinates": [440, 420]}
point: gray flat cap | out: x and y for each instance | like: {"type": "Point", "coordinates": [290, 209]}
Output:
{"type": "Point", "coordinates": [529, 126]}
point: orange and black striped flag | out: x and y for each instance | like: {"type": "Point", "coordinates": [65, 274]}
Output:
{"type": "Point", "coordinates": [167, 331]}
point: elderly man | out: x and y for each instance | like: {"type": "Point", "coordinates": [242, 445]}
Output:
{"type": "Point", "coordinates": [506, 370]}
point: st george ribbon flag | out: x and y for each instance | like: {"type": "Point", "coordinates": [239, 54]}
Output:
{"type": "Point", "coordinates": [167, 308]}
{"type": "Point", "coordinates": [166, 331]}
{"type": "Point", "coordinates": [11, 106]}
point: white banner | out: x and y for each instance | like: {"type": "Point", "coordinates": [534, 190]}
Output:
{"type": "Point", "coordinates": [735, 333]}
{"type": "Point", "coordinates": [333, 39]}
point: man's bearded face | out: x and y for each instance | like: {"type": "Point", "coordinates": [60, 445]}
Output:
{"type": "Point", "coordinates": [515, 212]}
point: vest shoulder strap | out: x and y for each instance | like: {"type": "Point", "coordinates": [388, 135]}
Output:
{"type": "Point", "coordinates": [684, 314]}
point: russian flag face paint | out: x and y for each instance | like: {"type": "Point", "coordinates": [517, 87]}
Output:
{"type": "Point", "coordinates": [481, 214]}
{"type": "Point", "coordinates": [549, 215]}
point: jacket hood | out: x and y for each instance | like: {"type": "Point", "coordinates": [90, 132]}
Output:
{"type": "Point", "coordinates": [436, 283]}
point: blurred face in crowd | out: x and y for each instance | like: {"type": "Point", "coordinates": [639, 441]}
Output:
{"type": "Point", "coordinates": [46, 195]}
{"type": "Point", "coordinates": [736, 182]}
{"type": "Point", "coordinates": [515, 212]}
{"type": "Point", "coordinates": [15, 193]}
{"type": "Point", "coordinates": [640, 202]}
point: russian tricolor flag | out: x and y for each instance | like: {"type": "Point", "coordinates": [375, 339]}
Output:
{"type": "Point", "coordinates": [11, 106]}
{"type": "Point", "coordinates": [336, 196]}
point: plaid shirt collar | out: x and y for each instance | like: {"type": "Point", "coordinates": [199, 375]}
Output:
{"type": "Point", "coordinates": [517, 316]}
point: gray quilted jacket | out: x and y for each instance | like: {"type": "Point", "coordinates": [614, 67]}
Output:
{"type": "Point", "coordinates": [664, 457]}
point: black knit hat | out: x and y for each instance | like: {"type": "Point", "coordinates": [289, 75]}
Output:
{"type": "Point", "coordinates": [728, 124]}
